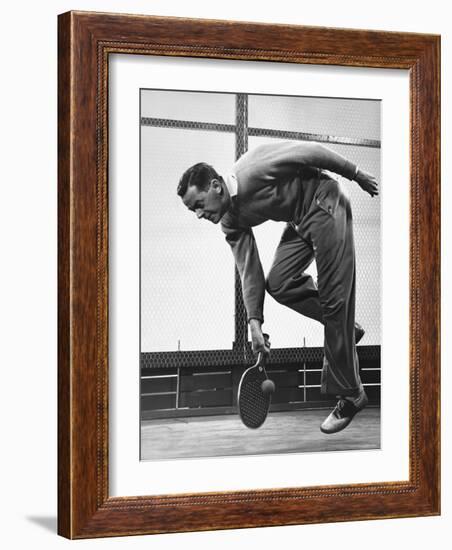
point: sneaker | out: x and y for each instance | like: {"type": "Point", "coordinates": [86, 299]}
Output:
{"type": "Point", "coordinates": [359, 332]}
{"type": "Point", "coordinates": [343, 413]}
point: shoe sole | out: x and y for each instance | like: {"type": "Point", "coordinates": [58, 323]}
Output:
{"type": "Point", "coordinates": [329, 432]}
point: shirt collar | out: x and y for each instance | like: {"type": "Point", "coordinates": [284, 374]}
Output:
{"type": "Point", "coordinates": [231, 184]}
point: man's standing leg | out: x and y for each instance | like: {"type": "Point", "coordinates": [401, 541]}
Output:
{"type": "Point", "coordinates": [328, 225]}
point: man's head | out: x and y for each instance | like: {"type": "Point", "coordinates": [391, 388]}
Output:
{"type": "Point", "coordinates": [204, 192]}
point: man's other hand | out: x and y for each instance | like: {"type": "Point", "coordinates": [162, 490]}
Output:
{"type": "Point", "coordinates": [258, 340]}
{"type": "Point", "coordinates": [367, 182]}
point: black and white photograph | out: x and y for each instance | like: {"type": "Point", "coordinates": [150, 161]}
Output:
{"type": "Point", "coordinates": [260, 274]}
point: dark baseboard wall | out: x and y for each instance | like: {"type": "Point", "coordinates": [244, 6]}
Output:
{"type": "Point", "coordinates": [172, 391]}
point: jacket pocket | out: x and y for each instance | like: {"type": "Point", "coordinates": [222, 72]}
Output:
{"type": "Point", "coordinates": [327, 196]}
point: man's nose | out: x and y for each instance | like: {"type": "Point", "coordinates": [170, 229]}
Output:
{"type": "Point", "coordinates": [199, 213]}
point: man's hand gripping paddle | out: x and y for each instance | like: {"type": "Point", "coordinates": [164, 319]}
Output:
{"type": "Point", "coordinates": [255, 391]}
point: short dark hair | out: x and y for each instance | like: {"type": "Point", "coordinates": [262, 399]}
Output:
{"type": "Point", "coordinates": [200, 175]}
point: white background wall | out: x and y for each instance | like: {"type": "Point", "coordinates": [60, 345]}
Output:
{"type": "Point", "coordinates": [28, 271]}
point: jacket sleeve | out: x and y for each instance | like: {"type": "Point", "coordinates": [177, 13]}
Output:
{"type": "Point", "coordinates": [249, 266]}
{"type": "Point", "coordinates": [272, 161]}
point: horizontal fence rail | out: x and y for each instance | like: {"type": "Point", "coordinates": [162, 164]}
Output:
{"type": "Point", "coordinates": [258, 132]}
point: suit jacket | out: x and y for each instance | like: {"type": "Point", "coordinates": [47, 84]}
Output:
{"type": "Point", "coordinates": [274, 182]}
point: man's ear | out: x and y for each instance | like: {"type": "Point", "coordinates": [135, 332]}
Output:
{"type": "Point", "coordinates": [217, 186]}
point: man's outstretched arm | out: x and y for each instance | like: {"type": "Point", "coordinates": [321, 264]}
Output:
{"type": "Point", "coordinates": [286, 157]}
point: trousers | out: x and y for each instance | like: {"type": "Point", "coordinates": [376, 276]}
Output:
{"type": "Point", "coordinates": [325, 234]}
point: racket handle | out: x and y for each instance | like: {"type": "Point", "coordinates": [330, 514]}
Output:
{"type": "Point", "coordinates": [262, 357]}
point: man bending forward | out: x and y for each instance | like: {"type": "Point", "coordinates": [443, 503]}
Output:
{"type": "Point", "coordinates": [286, 181]}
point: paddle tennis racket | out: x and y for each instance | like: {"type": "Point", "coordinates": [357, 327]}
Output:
{"type": "Point", "coordinates": [254, 394]}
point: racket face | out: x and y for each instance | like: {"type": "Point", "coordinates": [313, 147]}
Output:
{"type": "Point", "coordinates": [252, 402]}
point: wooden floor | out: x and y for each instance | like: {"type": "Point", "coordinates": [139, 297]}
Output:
{"type": "Point", "coordinates": [283, 432]}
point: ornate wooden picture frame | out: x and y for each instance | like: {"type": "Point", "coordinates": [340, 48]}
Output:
{"type": "Point", "coordinates": [85, 508]}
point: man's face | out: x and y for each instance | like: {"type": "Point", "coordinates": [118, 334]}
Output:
{"type": "Point", "coordinates": [209, 204]}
